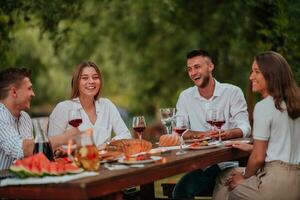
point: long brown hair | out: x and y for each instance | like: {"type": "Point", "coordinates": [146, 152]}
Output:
{"type": "Point", "coordinates": [281, 84]}
{"type": "Point", "coordinates": [76, 78]}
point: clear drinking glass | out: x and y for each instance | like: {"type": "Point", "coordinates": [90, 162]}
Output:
{"type": "Point", "coordinates": [139, 125]}
{"type": "Point", "coordinates": [86, 153]}
{"type": "Point", "coordinates": [180, 126]}
{"type": "Point", "coordinates": [166, 117]}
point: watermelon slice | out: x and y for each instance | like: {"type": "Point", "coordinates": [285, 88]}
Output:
{"type": "Point", "coordinates": [38, 165]}
{"type": "Point", "coordinates": [71, 168]}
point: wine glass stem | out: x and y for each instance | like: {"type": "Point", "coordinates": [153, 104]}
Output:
{"type": "Point", "coordinates": [219, 132]}
{"type": "Point", "coordinates": [169, 131]}
{"type": "Point", "coordinates": [180, 146]}
{"type": "Point", "coordinates": [140, 135]}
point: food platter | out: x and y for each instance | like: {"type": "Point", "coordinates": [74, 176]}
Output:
{"type": "Point", "coordinates": [197, 139]}
{"type": "Point", "coordinates": [208, 146]}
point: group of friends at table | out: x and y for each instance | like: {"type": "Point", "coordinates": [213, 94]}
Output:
{"type": "Point", "coordinates": [273, 169]}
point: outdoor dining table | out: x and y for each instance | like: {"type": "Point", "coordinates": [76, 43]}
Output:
{"type": "Point", "coordinates": [108, 184]}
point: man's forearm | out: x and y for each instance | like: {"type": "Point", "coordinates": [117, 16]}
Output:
{"type": "Point", "coordinates": [234, 133]}
{"type": "Point", "coordinates": [61, 139]}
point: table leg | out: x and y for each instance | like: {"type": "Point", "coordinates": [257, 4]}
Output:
{"type": "Point", "coordinates": [147, 191]}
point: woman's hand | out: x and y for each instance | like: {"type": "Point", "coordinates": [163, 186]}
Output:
{"type": "Point", "coordinates": [240, 145]}
{"type": "Point", "coordinates": [243, 146]}
{"type": "Point", "coordinates": [235, 179]}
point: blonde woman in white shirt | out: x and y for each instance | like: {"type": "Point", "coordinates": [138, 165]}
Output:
{"type": "Point", "coordinates": [96, 112]}
{"type": "Point", "coordinates": [273, 169]}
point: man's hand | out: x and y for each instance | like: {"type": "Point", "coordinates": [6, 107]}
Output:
{"type": "Point", "coordinates": [228, 134]}
{"type": "Point", "coordinates": [225, 135]}
{"type": "Point", "coordinates": [197, 134]}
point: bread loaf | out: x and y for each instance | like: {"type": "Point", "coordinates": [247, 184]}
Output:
{"type": "Point", "coordinates": [169, 140]}
{"type": "Point", "coordinates": [130, 146]}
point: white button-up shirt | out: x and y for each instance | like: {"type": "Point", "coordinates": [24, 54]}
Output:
{"type": "Point", "coordinates": [226, 97]}
{"type": "Point", "coordinates": [12, 132]}
{"type": "Point", "coordinates": [108, 120]}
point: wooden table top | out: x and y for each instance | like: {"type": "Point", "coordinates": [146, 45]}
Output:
{"type": "Point", "coordinates": [108, 182]}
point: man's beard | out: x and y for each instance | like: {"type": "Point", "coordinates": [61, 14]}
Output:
{"type": "Point", "coordinates": [205, 81]}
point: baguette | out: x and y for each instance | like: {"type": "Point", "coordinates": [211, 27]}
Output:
{"type": "Point", "coordinates": [169, 140]}
{"type": "Point", "coordinates": [130, 146]}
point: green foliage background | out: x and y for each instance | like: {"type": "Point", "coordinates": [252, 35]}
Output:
{"type": "Point", "coordinates": [140, 45]}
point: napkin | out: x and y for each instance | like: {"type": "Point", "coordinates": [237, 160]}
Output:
{"type": "Point", "coordinates": [45, 179]}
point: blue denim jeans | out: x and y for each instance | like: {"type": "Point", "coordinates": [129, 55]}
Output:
{"type": "Point", "coordinates": [196, 182]}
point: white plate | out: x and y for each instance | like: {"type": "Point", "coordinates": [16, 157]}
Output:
{"type": "Point", "coordinates": [205, 147]}
{"type": "Point", "coordinates": [230, 142]}
{"type": "Point", "coordinates": [153, 159]}
{"type": "Point", "coordinates": [109, 160]}
{"type": "Point", "coordinates": [197, 140]}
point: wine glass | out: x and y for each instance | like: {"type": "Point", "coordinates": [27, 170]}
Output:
{"type": "Point", "coordinates": [219, 122]}
{"type": "Point", "coordinates": [166, 117]}
{"type": "Point", "coordinates": [180, 126]}
{"type": "Point", "coordinates": [139, 125]}
{"type": "Point", "coordinates": [75, 119]}
{"type": "Point", "coordinates": [216, 119]}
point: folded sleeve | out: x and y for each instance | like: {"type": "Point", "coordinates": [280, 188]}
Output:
{"type": "Point", "coordinates": [239, 113]}
{"type": "Point", "coordinates": [262, 122]}
{"type": "Point", "coordinates": [58, 120]}
{"type": "Point", "coordinates": [118, 125]}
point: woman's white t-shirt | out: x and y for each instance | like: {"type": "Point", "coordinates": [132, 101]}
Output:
{"type": "Point", "coordinates": [281, 131]}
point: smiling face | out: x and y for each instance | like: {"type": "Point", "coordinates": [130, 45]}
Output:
{"type": "Point", "coordinates": [258, 81]}
{"type": "Point", "coordinates": [89, 82]}
{"type": "Point", "coordinates": [23, 94]}
{"type": "Point", "coordinates": [200, 70]}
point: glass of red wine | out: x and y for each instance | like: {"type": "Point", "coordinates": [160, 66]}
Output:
{"type": "Point", "coordinates": [75, 119]}
{"type": "Point", "coordinates": [180, 126]}
{"type": "Point", "coordinates": [139, 125]}
{"type": "Point", "coordinates": [216, 119]}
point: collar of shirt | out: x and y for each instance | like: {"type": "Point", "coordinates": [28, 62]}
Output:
{"type": "Point", "coordinates": [217, 92]}
{"type": "Point", "coordinates": [12, 119]}
{"type": "Point", "coordinates": [77, 104]}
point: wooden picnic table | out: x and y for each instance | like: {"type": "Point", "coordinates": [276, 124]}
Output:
{"type": "Point", "coordinates": [108, 184]}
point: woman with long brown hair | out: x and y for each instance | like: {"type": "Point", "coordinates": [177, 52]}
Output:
{"type": "Point", "coordinates": [273, 169]}
{"type": "Point", "coordinates": [96, 112]}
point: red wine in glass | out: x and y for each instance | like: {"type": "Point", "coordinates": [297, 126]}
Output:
{"type": "Point", "coordinates": [139, 125]}
{"type": "Point", "coordinates": [45, 148]}
{"type": "Point", "coordinates": [75, 122]}
{"type": "Point", "coordinates": [218, 124]}
{"type": "Point", "coordinates": [139, 129]}
{"type": "Point", "coordinates": [179, 131]}
{"type": "Point", "coordinates": [210, 122]}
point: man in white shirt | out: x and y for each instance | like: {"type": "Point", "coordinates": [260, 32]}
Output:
{"type": "Point", "coordinates": [194, 103]}
{"type": "Point", "coordinates": [15, 124]}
